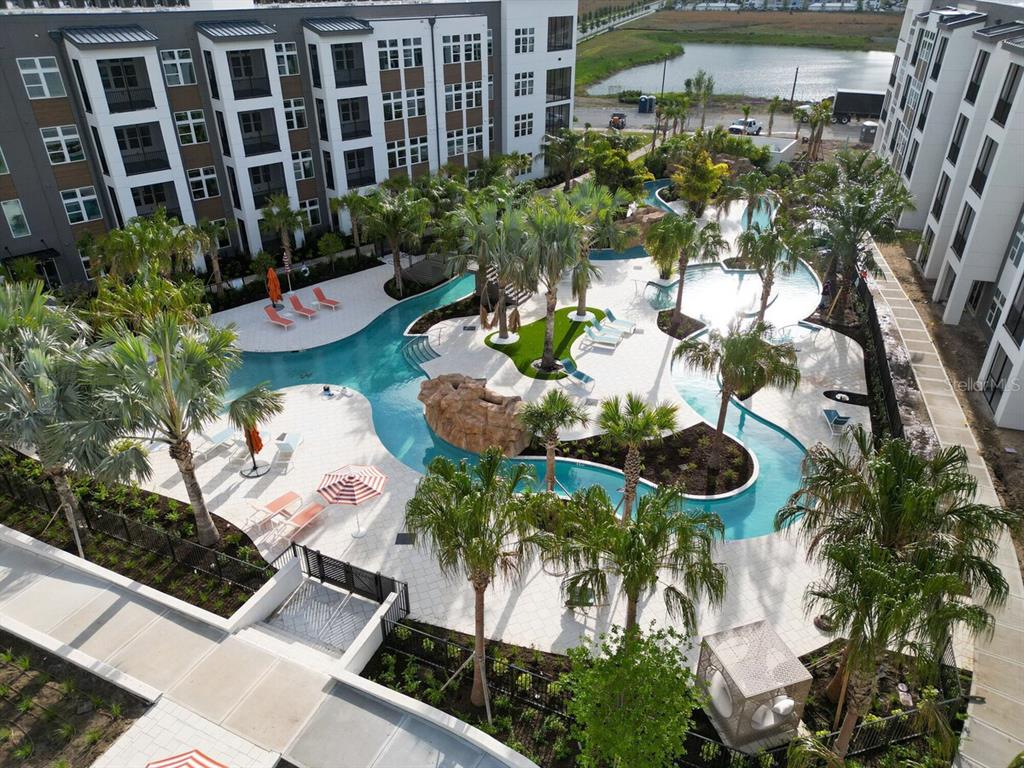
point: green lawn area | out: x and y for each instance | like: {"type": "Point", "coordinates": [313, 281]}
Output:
{"type": "Point", "coordinates": [531, 342]}
{"type": "Point", "coordinates": [604, 55]}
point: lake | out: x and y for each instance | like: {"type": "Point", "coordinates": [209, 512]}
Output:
{"type": "Point", "coordinates": [760, 70]}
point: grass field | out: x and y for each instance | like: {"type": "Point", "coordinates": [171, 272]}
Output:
{"type": "Point", "coordinates": [530, 346]}
{"type": "Point", "coordinates": [604, 55]}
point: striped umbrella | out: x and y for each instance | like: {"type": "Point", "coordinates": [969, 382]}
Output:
{"type": "Point", "coordinates": [352, 484]}
{"type": "Point", "coordinates": [191, 759]}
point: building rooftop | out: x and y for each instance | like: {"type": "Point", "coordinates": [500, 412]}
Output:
{"type": "Point", "coordinates": [221, 30]}
{"type": "Point", "coordinates": [129, 34]}
{"type": "Point", "coordinates": [337, 24]}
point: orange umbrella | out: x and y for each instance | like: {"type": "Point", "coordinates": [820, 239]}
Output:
{"type": "Point", "coordinates": [253, 441]}
{"type": "Point", "coordinates": [273, 286]}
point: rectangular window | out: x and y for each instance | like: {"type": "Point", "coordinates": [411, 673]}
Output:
{"type": "Point", "coordinates": [418, 150]}
{"type": "Point", "coordinates": [191, 127]}
{"type": "Point", "coordinates": [3, 163]}
{"type": "Point", "coordinates": [522, 84]}
{"type": "Point", "coordinates": [922, 117]}
{"type": "Point", "coordinates": [348, 65]}
{"type": "Point", "coordinates": [321, 119]}
{"type": "Point", "coordinates": [995, 309]}
{"type": "Point", "coordinates": [908, 169]}
{"type": "Point", "coordinates": [998, 378]}
{"type": "Point", "coordinates": [62, 144]}
{"type": "Point", "coordinates": [394, 105]}
{"type": "Point", "coordinates": [474, 94]}
{"type": "Point", "coordinates": [490, 41]}
{"type": "Point", "coordinates": [471, 49]}
{"type": "Point", "coordinates": [475, 138]}
{"type": "Point", "coordinates": [223, 233]}
{"type": "Point", "coordinates": [235, 200]}
{"type": "Point", "coordinates": [99, 150]}
{"type": "Point", "coordinates": [81, 204]}
{"type": "Point", "coordinates": [957, 139]}
{"type": "Point", "coordinates": [397, 157]}
{"type": "Point", "coordinates": [451, 48]}
{"type": "Point", "coordinates": [1007, 94]}
{"type": "Point", "coordinates": [359, 168]}
{"type": "Point", "coordinates": [490, 87]}
{"type": "Point", "coordinates": [926, 245]}
{"type": "Point", "coordinates": [211, 74]}
{"type": "Point", "coordinates": [981, 170]}
{"type": "Point", "coordinates": [559, 85]}
{"type": "Point", "coordinates": [222, 129]}
{"type": "Point", "coordinates": [388, 54]}
{"type": "Point", "coordinates": [15, 216]}
{"type": "Point", "coordinates": [456, 143]}
{"type": "Point", "coordinates": [242, 65]}
{"type": "Point", "coordinates": [178, 67]}
{"type": "Point", "coordinates": [41, 77]}
{"type": "Point", "coordinates": [906, 92]}
{"type": "Point", "coordinates": [415, 102]}
{"type": "Point", "coordinates": [1015, 316]}
{"type": "Point", "coordinates": [302, 164]}
{"type": "Point", "coordinates": [940, 54]}
{"type": "Point", "coordinates": [963, 230]}
{"type": "Point", "coordinates": [328, 170]}
{"type": "Point", "coordinates": [412, 52]}
{"type": "Point", "coordinates": [976, 77]}
{"type": "Point", "coordinates": [453, 97]}
{"type": "Point", "coordinates": [287, 58]}
{"type": "Point", "coordinates": [941, 190]}
{"type": "Point", "coordinates": [314, 67]}
{"type": "Point", "coordinates": [202, 182]}
{"type": "Point", "coordinates": [81, 86]}
{"type": "Point", "coordinates": [294, 114]}
{"type": "Point", "coordinates": [524, 39]}
{"type": "Point", "coordinates": [1016, 250]}
{"type": "Point", "coordinates": [490, 130]}
{"type": "Point", "coordinates": [311, 209]}
{"type": "Point", "coordinates": [894, 71]}
{"type": "Point", "coordinates": [917, 47]}
{"type": "Point", "coordinates": [522, 125]}
{"type": "Point", "coordinates": [560, 33]}
{"type": "Point", "coordinates": [355, 118]}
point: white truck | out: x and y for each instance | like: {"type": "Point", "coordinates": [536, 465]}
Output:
{"type": "Point", "coordinates": [745, 127]}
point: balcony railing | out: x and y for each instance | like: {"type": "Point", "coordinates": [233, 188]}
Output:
{"type": "Point", "coordinates": [954, 153]}
{"type": "Point", "coordinates": [261, 193]}
{"type": "Point", "coordinates": [260, 144]}
{"type": "Point", "coordinates": [1002, 111]}
{"type": "Point", "coordinates": [355, 130]}
{"type": "Point", "coordinates": [250, 87]}
{"type": "Point", "coordinates": [937, 207]}
{"type": "Point", "coordinates": [972, 92]}
{"type": "Point", "coordinates": [959, 241]}
{"type": "Point", "coordinates": [978, 181]}
{"type": "Point", "coordinates": [145, 162]}
{"type": "Point", "coordinates": [343, 78]}
{"type": "Point", "coordinates": [129, 99]}
{"type": "Point", "coordinates": [361, 178]}
{"type": "Point", "coordinates": [173, 211]}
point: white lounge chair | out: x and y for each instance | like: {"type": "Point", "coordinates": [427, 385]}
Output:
{"type": "Point", "coordinates": [227, 436]}
{"type": "Point", "coordinates": [606, 330]}
{"type": "Point", "coordinates": [602, 339]}
{"type": "Point", "coordinates": [624, 325]}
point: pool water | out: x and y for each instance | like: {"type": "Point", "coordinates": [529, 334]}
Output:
{"type": "Point", "coordinates": [371, 362]}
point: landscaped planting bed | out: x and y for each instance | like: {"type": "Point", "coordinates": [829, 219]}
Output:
{"type": "Point", "coordinates": [686, 327]}
{"type": "Point", "coordinates": [530, 346]}
{"type": "Point", "coordinates": [468, 306]}
{"type": "Point", "coordinates": [53, 713]}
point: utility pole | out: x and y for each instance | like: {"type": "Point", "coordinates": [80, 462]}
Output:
{"type": "Point", "coordinates": [664, 68]}
{"type": "Point", "coordinates": [792, 94]}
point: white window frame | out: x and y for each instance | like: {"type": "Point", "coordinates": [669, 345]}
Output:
{"type": "Point", "coordinates": [456, 143]}
{"type": "Point", "coordinates": [471, 47]}
{"type": "Point", "coordinates": [490, 41]}
{"type": "Point", "coordinates": [76, 204]}
{"type": "Point", "coordinates": [292, 109]}
{"type": "Point", "coordinates": [287, 55]}
{"type": "Point", "coordinates": [398, 156]}
{"type": "Point", "coordinates": [490, 130]}
{"type": "Point", "coordinates": [522, 125]}
{"type": "Point", "coordinates": [474, 94]}
{"type": "Point", "coordinates": [490, 87]}
{"type": "Point", "coordinates": [451, 47]}
{"type": "Point", "coordinates": [37, 75]}
{"type": "Point", "coordinates": [412, 52]}
{"type": "Point", "coordinates": [475, 138]}
{"type": "Point", "coordinates": [393, 103]}
{"type": "Point", "coordinates": [177, 65]}
{"type": "Point", "coordinates": [58, 141]}
{"type": "Point", "coordinates": [302, 164]}
{"type": "Point", "coordinates": [307, 207]}
{"type": "Point", "coordinates": [453, 97]}
{"type": "Point", "coordinates": [522, 84]}
{"type": "Point", "coordinates": [416, 102]}
{"type": "Point", "coordinates": [419, 150]}
{"type": "Point", "coordinates": [389, 54]}
{"type": "Point", "coordinates": [525, 39]}
{"type": "Point", "coordinates": [995, 309]}
{"type": "Point", "coordinates": [202, 182]}
{"type": "Point", "coordinates": [10, 214]}
{"type": "Point", "coordinates": [187, 124]}
{"type": "Point", "coordinates": [4, 169]}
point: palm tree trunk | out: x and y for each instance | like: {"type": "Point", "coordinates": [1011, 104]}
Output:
{"type": "Point", "coordinates": [355, 233]}
{"type": "Point", "coordinates": [631, 605]}
{"type": "Point", "coordinates": [677, 315]}
{"type": "Point", "coordinates": [716, 444]}
{"type": "Point", "coordinates": [654, 136]}
{"type": "Point", "coordinates": [218, 281]}
{"type": "Point", "coordinates": [502, 319]}
{"type": "Point", "coordinates": [396, 260]}
{"type": "Point", "coordinates": [771, 122]}
{"type": "Point", "coordinates": [860, 693]}
{"type": "Point", "coordinates": [703, 113]}
{"type": "Point", "coordinates": [548, 360]}
{"type": "Point", "coordinates": [286, 246]}
{"type": "Point", "coordinates": [631, 472]}
{"type": "Point", "coordinates": [181, 452]}
{"type": "Point", "coordinates": [581, 301]}
{"type": "Point", "coordinates": [69, 505]}
{"type": "Point", "coordinates": [766, 290]}
{"type": "Point", "coordinates": [549, 463]}
{"type": "Point", "coordinates": [477, 695]}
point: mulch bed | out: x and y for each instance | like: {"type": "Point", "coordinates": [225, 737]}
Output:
{"type": "Point", "coordinates": [687, 327]}
{"type": "Point", "coordinates": [680, 459]}
{"type": "Point", "coordinates": [55, 714]}
{"type": "Point", "coordinates": [468, 306]}
{"type": "Point", "coordinates": [410, 287]}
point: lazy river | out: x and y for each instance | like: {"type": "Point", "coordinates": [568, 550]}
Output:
{"type": "Point", "coordinates": [371, 362]}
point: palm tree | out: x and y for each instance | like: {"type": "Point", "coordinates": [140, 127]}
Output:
{"type": "Point", "coordinates": [770, 250]}
{"type": "Point", "coordinates": [564, 151]}
{"type": "Point", "coordinates": [854, 197]}
{"type": "Point", "coordinates": [743, 360]}
{"type": "Point", "coordinates": [157, 243]}
{"type": "Point", "coordinates": [629, 424]}
{"type": "Point", "coordinates": [42, 350]}
{"type": "Point", "coordinates": [545, 418]}
{"type": "Point", "coordinates": [820, 116]}
{"type": "Point", "coordinates": [476, 526]}
{"type": "Point", "coordinates": [508, 256]}
{"type": "Point", "coordinates": [472, 228]}
{"type": "Point", "coordinates": [664, 540]}
{"type": "Point", "coordinates": [773, 107]}
{"type": "Point", "coordinates": [675, 241]}
{"type": "Point", "coordinates": [210, 233]}
{"type": "Point", "coordinates": [400, 218]}
{"type": "Point", "coordinates": [702, 86]}
{"type": "Point", "coordinates": [556, 231]}
{"type": "Point", "coordinates": [357, 206]}
{"type": "Point", "coordinates": [754, 189]}
{"type": "Point", "coordinates": [600, 208]}
{"type": "Point", "coordinates": [147, 296]}
{"type": "Point", "coordinates": [280, 217]}
{"type": "Point", "coordinates": [165, 383]}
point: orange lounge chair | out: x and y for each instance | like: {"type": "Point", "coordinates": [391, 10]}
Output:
{"type": "Point", "coordinates": [302, 518]}
{"type": "Point", "coordinates": [264, 513]}
{"type": "Point", "coordinates": [302, 309]}
{"type": "Point", "coordinates": [275, 317]}
{"type": "Point", "coordinates": [320, 300]}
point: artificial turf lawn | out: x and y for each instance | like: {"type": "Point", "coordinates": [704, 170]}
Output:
{"type": "Point", "coordinates": [530, 346]}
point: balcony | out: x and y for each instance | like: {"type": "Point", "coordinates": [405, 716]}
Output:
{"type": "Point", "coordinates": [355, 130]}
{"type": "Point", "coordinates": [142, 148]}
{"type": "Point", "coordinates": [362, 177]}
{"type": "Point", "coordinates": [250, 87]}
{"type": "Point", "coordinates": [128, 99]}
{"type": "Point", "coordinates": [261, 193]}
{"type": "Point", "coordinates": [260, 144]}
{"type": "Point", "coordinates": [345, 78]}
{"type": "Point", "coordinates": [349, 69]}
{"type": "Point", "coordinates": [125, 84]}
{"type": "Point", "coordinates": [144, 162]}
{"type": "Point", "coordinates": [249, 77]}
{"type": "Point", "coordinates": [151, 197]}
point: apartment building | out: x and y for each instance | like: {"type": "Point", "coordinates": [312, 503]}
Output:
{"type": "Point", "coordinates": [953, 126]}
{"type": "Point", "coordinates": [209, 107]}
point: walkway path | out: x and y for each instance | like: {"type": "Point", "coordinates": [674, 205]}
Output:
{"type": "Point", "coordinates": [994, 733]}
{"type": "Point", "coordinates": [239, 700]}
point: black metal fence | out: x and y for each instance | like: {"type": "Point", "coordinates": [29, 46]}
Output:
{"type": "Point", "coordinates": [369, 584]}
{"type": "Point", "coordinates": [888, 391]}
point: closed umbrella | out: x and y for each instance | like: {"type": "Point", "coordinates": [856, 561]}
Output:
{"type": "Point", "coordinates": [254, 443]}
{"type": "Point", "coordinates": [273, 286]}
{"type": "Point", "coordinates": [191, 759]}
{"type": "Point", "coordinates": [352, 485]}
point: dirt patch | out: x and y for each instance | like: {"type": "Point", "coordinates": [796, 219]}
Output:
{"type": "Point", "coordinates": [962, 349]}
{"type": "Point", "coordinates": [686, 327]}
{"type": "Point", "coordinates": [468, 306]}
{"type": "Point", "coordinates": [53, 713]}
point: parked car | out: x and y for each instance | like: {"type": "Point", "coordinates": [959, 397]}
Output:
{"type": "Point", "coordinates": [747, 127]}
{"type": "Point", "coordinates": [618, 120]}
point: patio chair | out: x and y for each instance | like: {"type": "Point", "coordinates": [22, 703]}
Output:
{"type": "Point", "coordinates": [283, 456]}
{"type": "Point", "coordinates": [836, 422]}
{"type": "Point", "coordinates": [275, 317]}
{"type": "Point", "coordinates": [570, 368]}
{"type": "Point", "coordinates": [604, 340]}
{"type": "Point", "coordinates": [615, 322]}
{"type": "Point", "coordinates": [606, 330]}
{"type": "Point", "coordinates": [300, 308]}
{"type": "Point", "coordinates": [227, 436]}
{"type": "Point", "coordinates": [322, 301]}
{"type": "Point", "coordinates": [290, 527]}
{"type": "Point", "coordinates": [262, 513]}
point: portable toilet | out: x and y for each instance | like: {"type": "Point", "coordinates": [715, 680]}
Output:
{"type": "Point", "coordinates": [652, 103]}
{"type": "Point", "coordinates": [868, 129]}
{"type": "Point", "coordinates": [643, 105]}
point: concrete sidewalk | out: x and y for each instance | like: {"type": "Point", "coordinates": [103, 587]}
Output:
{"type": "Point", "coordinates": [994, 732]}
